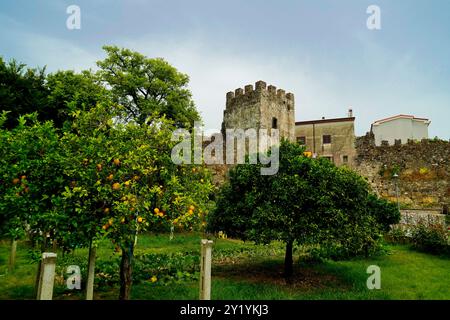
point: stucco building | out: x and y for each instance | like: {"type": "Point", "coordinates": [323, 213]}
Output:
{"type": "Point", "coordinates": [399, 129]}
{"type": "Point", "coordinates": [330, 138]}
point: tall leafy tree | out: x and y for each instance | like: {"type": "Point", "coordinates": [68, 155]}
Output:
{"type": "Point", "coordinates": [22, 91]}
{"type": "Point", "coordinates": [69, 91]}
{"type": "Point", "coordinates": [54, 96]}
{"type": "Point", "coordinates": [309, 201]}
{"type": "Point", "coordinates": [145, 86]}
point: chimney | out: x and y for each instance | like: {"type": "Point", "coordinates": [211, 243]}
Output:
{"type": "Point", "coordinates": [350, 112]}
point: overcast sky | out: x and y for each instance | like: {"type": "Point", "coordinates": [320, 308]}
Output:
{"type": "Point", "coordinates": [321, 50]}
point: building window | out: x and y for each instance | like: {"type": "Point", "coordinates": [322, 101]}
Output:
{"type": "Point", "coordinates": [274, 123]}
{"type": "Point", "coordinates": [326, 139]}
{"type": "Point", "coordinates": [345, 159]}
{"type": "Point", "coordinates": [301, 140]}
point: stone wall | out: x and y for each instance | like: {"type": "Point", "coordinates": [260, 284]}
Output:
{"type": "Point", "coordinates": [423, 170]}
{"type": "Point", "coordinates": [256, 107]}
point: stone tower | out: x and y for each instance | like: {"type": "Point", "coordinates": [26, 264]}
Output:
{"type": "Point", "coordinates": [260, 108]}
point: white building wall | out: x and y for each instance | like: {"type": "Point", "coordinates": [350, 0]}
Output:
{"type": "Point", "coordinates": [420, 130]}
{"type": "Point", "coordinates": [403, 129]}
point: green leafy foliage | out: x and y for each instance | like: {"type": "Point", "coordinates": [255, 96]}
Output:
{"type": "Point", "coordinates": [309, 201]}
{"type": "Point", "coordinates": [70, 91]}
{"type": "Point", "coordinates": [430, 237]}
{"type": "Point", "coordinates": [31, 179]}
{"type": "Point", "coordinates": [22, 91]}
{"type": "Point", "coordinates": [145, 86]}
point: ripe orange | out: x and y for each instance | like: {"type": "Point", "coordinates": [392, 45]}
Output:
{"type": "Point", "coordinates": [192, 208]}
{"type": "Point", "coordinates": [156, 210]}
{"type": "Point", "coordinates": [23, 177]}
{"type": "Point", "coordinates": [127, 183]}
{"type": "Point", "coordinates": [99, 167]}
{"type": "Point", "coordinates": [110, 177]}
{"type": "Point", "coordinates": [139, 219]}
{"type": "Point", "coordinates": [116, 162]}
{"type": "Point", "coordinates": [136, 178]}
{"type": "Point", "coordinates": [105, 226]}
{"type": "Point", "coordinates": [15, 181]}
{"type": "Point", "coordinates": [116, 186]}
{"type": "Point", "coordinates": [106, 210]}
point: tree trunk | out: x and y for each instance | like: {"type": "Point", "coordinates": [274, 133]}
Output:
{"type": "Point", "coordinates": [12, 256]}
{"type": "Point", "coordinates": [288, 262]}
{"type": "Point", "coordinates": [55, 245]}
{"type": "Point", "coordinates": [91, 272]}
{"type": "Point", "coordinates": [126, 272]}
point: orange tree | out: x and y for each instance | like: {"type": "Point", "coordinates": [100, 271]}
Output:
{"type": "Point", "coordinates": [30, 179]}
{"type": "Point", "coordinates": [123, 181]}
{"type": "Point", "coordinates": [308, 202]}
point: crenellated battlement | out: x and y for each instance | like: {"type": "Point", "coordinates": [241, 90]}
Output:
{"type": "Point", "coordinates": [249, 93]}
{"type": "Point", "coordinates": [260, 106]}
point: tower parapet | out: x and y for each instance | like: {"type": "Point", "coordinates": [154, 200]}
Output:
{"type": "Point", "coordinates": [260, 106]}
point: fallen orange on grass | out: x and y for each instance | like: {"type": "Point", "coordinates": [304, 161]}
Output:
{"type": "Point", "coordinates": [116, 186]}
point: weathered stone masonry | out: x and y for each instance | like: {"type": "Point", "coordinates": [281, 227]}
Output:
{"type": "Point", "coordinates": [423, 170]}
{"type": "Point", "coordinates": [260, 107]}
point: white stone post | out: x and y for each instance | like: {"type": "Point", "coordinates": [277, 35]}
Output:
{"type": "Point", "coordinates": [47, 276]}
{"type": "Point", "coordinates": [91, 272]}
{"type": "Point", "coordinates": [205, 269]}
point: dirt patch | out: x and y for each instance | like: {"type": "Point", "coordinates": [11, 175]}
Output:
{"type": "Point", "coordinates": [305, 277]}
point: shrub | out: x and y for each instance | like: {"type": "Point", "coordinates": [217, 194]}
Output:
{"type": "Point", "coordinates": [397, 234]}
{"type": "Point", "coordinates": [430, 237]}
{"type": "Point", "coordinates": [336, 251]}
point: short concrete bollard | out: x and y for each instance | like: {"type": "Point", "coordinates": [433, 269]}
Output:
{"type": "Point", "coordinates": [205, 269]}
{"type": "Point", "coordinates": [47, 276]}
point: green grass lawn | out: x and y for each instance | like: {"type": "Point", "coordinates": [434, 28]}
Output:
{"type": "Point", "coordinates": [253, 272]}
